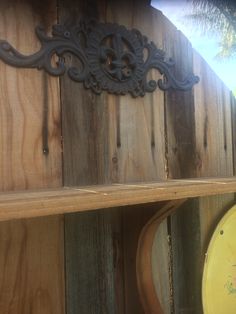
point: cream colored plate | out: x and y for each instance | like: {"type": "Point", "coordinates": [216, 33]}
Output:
{"type": "Point", "coordinates": [219, 276]}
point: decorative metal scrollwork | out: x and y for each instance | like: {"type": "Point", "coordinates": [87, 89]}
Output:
{"type": "Point", "coordinates": [110, 58]}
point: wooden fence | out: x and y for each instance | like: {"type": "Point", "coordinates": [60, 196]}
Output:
{"type": "Point", "coordinates": [53, 132]}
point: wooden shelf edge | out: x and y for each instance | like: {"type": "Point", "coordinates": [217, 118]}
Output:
{"type": "Point", "coordinates": [28, 204]}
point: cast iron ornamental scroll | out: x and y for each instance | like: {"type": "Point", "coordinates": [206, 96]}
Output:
{"type": "Point", "coordinates": [111, 58]}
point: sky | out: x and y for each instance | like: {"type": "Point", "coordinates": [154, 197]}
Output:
{"type": "Point", "coordinates": [207, 46]}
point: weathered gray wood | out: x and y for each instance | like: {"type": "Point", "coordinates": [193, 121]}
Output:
{"type": "Point", "coordinates": [109, 138]}
{"type": "Point", "coordinates": [141, 153]}
{"type": "Point", "coordinates": [181, 155]}
{"type": "Point", "coordinates": [233, 119]}
{"type": "Point", "coordinates": [89, 263]}
{"type": "Point", "coordinates": [119, 139]}
{"type": "Point", "coordinates": [186, 258]}
{"type": "Point", "coordinates": [213, 144]}
{"type": "Point", "coordinates": [90, 268]}
{"type": "Point", "coordinates": [202, 146]}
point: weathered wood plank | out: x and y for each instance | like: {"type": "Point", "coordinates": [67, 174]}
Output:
{"type": "Point", "coordinates": [30, 113]}
{"type": "Point", "coordinates": [214, 147]}
{"type": "Point", "coordinates": [118, 139]}
{"type": "Point", "coordinates": [179, 113]}
{"type": "Point", "coordinates": [186, 255]}
{"type": "Point", "coordinates": [115, 139]}
{"type": "Point", "coordinates": [211, 156]}
{"type": "Point", "coordinates": [15, 205]}
{"type": "Point", "coordinates": [90, 265]}
{"type": "Point", "coordinates": [32, 263]}
{"type": "Point", "coordinates": [181, 160]}
{"type": "Point", "coordinates": [180, 137]}
{"type": "Point", "coordinates": [213, 123]}
{"type": "Point", "coordinates": [141, 151]}
{"type": "Point", "coordinates": [233, 119]}
{"type": "Point", "coordinates": [88, 236]}
{"type": "Point", "coordinates": [199, 143]}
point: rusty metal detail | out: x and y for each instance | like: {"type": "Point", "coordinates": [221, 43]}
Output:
{"type": "Point", "coordinates": [109, 58]}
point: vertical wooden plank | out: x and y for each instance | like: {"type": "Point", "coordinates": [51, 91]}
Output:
{"type": "Point", "coordinates": [185, 224]}
{"type": "Point", "coordinates": [84, 114]}
{"type": "Point", "coordinates": [213, 142]}
{"type": "Point", "coordinates": [141, 155]}
{"type": "Point", "coordinates": [90, 269]}
{"type": "Point", "coordinates": [32, 261]}
{"type": "Point", "coordinates": [199, 144]}
{"type": "Point", "coordinates": [179, 106]}
{"type": "Point", "coordinates": [214, 146]}
{"type": "Point", "coordinates": [213, 123]}
{"type": "Point", "coordinates": [233, 119]}
{"type": "Point", "coordinates": [186, 257]}
{"type": "Point", "coordinates": [92, 240]}
{"type": "Point", "coordinates": [110, 138]}
{"type": "Point", "coordinates": [25, 97]}
{"type": "Point", "coordinates": [140, 145]}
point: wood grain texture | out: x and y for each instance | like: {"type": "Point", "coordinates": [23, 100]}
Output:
{"type": "Point", "coordinates": [147, 291]}
{"type": "Point", "coordinates": [90, 266]}
{"type": "Point", "coordinates": [119, 139]}
{"type": "Point", "coordinates": [179, 107]}
{"type": "Point", "coordinates": [181, 141]}
{"type": "Point", "coordinates": [115, 139]}
{"type": "Point", "coordinates": [31, 263]}
{"type": "Point", "coordinates": [106, 139]}
{"type": "Point", "coordinates": [210, 155]}
{"type": "Point", "coordinates": [233, 119]}
{"type": "Point", "coordinates": [214, 147]}
{"type": "Point", "coordinates": [139, 123]}
{"type": "Point", "coordinates": [213, 116]}
{"type": "Point", "coordinates": [29, 106]}
{"type": "Point", "coordinates": [140, 152]}
{"type": "Point", "coordinates": [199, 143]}
{"type": "Point", "coordinates": [90, 271]}
{"type": "Point", "coordinates": [16, 205]}
{"type": "Point", "coordinates": [186, 257]}
{"type": "Point", "coordinates": [213, 123]}
{"type": "Point", "coordinates": [32, 268]}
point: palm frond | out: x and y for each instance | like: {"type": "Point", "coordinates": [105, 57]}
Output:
{"type": "Point", "coordinates": [218, 18]}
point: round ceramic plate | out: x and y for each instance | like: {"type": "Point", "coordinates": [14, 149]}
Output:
{"type": "Point", "coordinates": [219, 276]}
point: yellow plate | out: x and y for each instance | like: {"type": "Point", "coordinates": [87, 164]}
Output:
{"type": "Point", "coordinates": [219, 276]}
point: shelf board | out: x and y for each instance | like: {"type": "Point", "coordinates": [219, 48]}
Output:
{"type": "Point", "coordinates": [26, 204]}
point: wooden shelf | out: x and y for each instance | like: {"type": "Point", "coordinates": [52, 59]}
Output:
{"type": "Point", "coordinates": [15, 205]}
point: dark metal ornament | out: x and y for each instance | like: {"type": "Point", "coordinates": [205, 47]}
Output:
{"type": "Point", "coordinates": [110, 58]}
